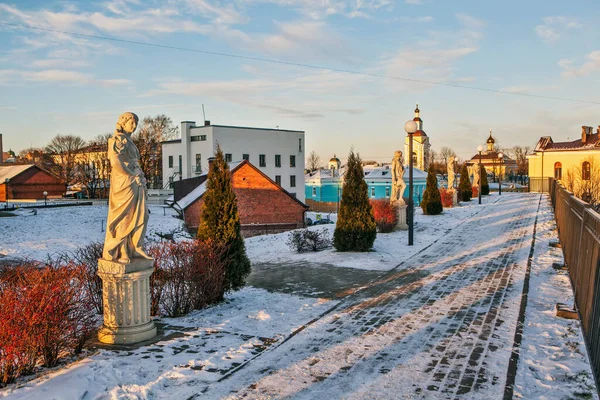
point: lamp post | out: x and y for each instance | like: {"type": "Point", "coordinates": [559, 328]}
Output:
{"type": "Point", "coordinates": [45, 198]}
{"type": "Point", "coordinates": [410, 127]}
{"type": "Point", "coordinates": [501, 157]}
{"type": "Point", "coordinates": [479, 149]}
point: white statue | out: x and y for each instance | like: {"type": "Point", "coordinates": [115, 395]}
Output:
{"type": "Point", "coordinates": [450, 166]}
{"type": "Point", "coordinates": [476, 174]}
{"type": "Point", "coordinates": [398, 184]}
{"type": "Point", "coordinates": [127, 210]}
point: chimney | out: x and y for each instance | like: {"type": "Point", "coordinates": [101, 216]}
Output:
{"type": "Point", "coordinates": [585, 132]}
{"type": "Point", "coordinates": [2, 150]}
{"type": "Point", "coordinates": [206, 122]}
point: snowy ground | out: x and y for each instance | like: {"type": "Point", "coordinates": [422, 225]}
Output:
{"type": "Point", "coordinates": [57, 230]}
{"type": "Point", "coordinates": [439, 323]}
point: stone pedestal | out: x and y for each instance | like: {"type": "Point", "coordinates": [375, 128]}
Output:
{"type": "Point", "coordinates": [402, 225]}
{"type": "Point", "coordinates": [126, 296]}
{"type": "Point", "coordinates": [454, 197]}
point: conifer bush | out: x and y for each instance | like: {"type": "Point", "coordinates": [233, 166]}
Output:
{"type": "Point", "coordinates": [431, 202]}
{"type": "Point", "coordinates": [386, 215]}
{"type": "Point", "coordinates": [485, 186]}
{"type": "Point", "coordinates": [355, 229]}
{"type": "Point", "coordinates": [220, 222]}
{"type": "Point", "coordinates": [464, 186]}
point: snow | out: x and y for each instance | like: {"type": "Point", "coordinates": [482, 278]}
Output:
{"type": "Point", "coordinates": [284, 344]}
{"type": "Point", "coordinates": [553, 361]}
{"type": "Point", "coordinates": [389, 248]}
{"type": "Point", "coordinates": [64, 229]}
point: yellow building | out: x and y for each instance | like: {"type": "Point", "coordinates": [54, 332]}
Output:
{"type": "Point", "coordinates": [421, 146]}
{"type": "Point", "coordinates": [557, 159]}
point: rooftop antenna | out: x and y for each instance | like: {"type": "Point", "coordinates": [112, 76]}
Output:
{"type": "Point", "coordinates": [203, 114]}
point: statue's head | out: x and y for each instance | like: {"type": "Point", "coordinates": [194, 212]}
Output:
{"type": "Point", "coordinates": [398, 154]}
{"type": "Point", "coordinates": [127, 122]}
{"type": "Point", "coordinates": [451, 159]}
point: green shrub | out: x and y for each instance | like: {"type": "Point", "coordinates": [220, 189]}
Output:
{"type": "Point", "coordinates": [464, 187]}
{"type": "Point", "coordinates": [431, 202]}
{"type": "Point", "coordinates": [355, 228]}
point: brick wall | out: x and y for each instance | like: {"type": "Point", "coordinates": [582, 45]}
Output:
{"type": "Point", "coordinates": [260, 201]}
{"type": "Point", "coordinates": [31, 184]}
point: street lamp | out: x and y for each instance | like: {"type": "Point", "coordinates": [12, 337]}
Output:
{"type": "Point", "coordinates": [501, 157]}
{"type": "Point", "coordinates": [45, 198]}
{"type": "Point", "coordinates": [410, 127]}
{"type": "Point", "coordinates": [479, 149]}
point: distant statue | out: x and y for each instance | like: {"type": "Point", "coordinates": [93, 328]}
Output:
{"type": "Point", "coordinates": [127, 210]}
{"type": "Point", "coordinates": [398, 184]}
{"type": "Point", "coordinates": [476, 174]}
{"type": "Point", "coordinates": [450, 166]}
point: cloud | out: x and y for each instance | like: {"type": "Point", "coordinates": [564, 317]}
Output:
{"type": "Point", "coordinates": [591, 65]}
{"type": "Point", "coordinates": [320, 9]}
{"type": "Point", "coordinates": [416, 2]}
{"type": "Point", "coordinates": [552, 28]}
{"type": "Point", "coordinates": [14, 77]}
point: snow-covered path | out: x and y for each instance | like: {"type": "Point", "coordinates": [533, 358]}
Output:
{"type": "Point", "coordinates": [441, 327]}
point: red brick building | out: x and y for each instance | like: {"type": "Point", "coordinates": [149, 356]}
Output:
{"type": "Point", "coordinates": [264, 206]}
{"type": "Point", "coordinates": [28, 182]}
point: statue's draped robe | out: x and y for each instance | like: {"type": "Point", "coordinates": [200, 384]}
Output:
{"type": "Point", "coordinates": [398, 184]}
{"type": "Point", "coordinates": [127, 210]}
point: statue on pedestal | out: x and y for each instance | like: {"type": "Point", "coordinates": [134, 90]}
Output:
{"type": "Point", "coordinates": [476, 174]}
{"type": "Point", "coordinates": [450, 166]}
{"type": "Point", "coordinates": [125, 268]}
{"type": "Point", "coordinates": [398, 184]}
{"type": "Point", "coordinates": [127, 210]}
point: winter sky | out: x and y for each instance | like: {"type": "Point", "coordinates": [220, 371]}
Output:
{"type": "Point", "coordinates": [53, 82]}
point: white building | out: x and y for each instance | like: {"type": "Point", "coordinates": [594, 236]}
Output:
{"type": "Point", "coordinates": [279, 153]}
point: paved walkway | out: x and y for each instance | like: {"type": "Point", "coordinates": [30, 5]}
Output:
{"type": "Point", "coordinates": [441, 325]}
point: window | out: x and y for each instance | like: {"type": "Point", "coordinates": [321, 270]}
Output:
{"type": "Point", "coordinates": [170, 161]}
{"type": "Point", "coordinates": [585, 171]}
{"type": "Point", "coordinates": [180, 166]}
{"type": "Point", "coordinates": [278, 179]}
{"type": "Point", "coordinates": [245, 156]}
{"type": "Point", "coordinates": [292, 161]}
{"type": "Point", "coordinates": [278, 160]}
{"type": "Point", "coordinates": [198, 162]}
{"type": "Point", "coordinates": [372, 192]}
{"type": "Point", "coordinates": [314, 191]}
{"type": "Point", "coordinates": [300, 145]}
{"type": "Point", "coordinates": [262, 161]}
{"type": "Point", "coordinates": [387, 192]}
{"type": "Point", "coordinates": [414, 157]}
{"type": "Point", "coordinates": [558, 171]}
{"type": "Point", "coordinates": [227, 157]}
{"type": "Point", "coordinates": [292, 180]}
{"type": "Point", "coordinates": [198, 138]}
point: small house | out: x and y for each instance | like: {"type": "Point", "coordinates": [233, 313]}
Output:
{"type": "Point", "coordinates": [28, 182]}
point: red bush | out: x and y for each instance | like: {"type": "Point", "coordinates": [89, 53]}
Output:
{"type": "Point", "coordinates": [475, 192]}
{"type": "Point", "coordinates": [447, 197]}
{"type": "Point", "coordinates": [187, 276]}
{"type": "Point", "coordinates": [386, 215]}
{"type": "Point", "coordinates": [44, 313]}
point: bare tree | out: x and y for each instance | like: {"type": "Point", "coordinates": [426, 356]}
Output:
{"type": "Point", "coordinates": [64, 149]}
{"type": "Point", "coordinates": [585, 182]}
{"type": "Point", "coordinates": [520, 154]}
{"type": "Point", "coordinates": [93, 167]}
{"type": "Point", "coordinates": [445, 153]}
{"type": "Point", "coordinates": [313, 162]}
{"type": "Point", "coordinates": [148, 138]}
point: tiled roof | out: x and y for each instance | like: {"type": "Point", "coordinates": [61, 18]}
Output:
{"type": "Point", "coordinates": [546, 144]}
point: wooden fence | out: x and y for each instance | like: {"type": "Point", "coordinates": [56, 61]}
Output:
{"type": "Point", "coordinates": [579, 233]}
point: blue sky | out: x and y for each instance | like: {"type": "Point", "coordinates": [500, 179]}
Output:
{"type": "Point", "coordinates": [54, 83]}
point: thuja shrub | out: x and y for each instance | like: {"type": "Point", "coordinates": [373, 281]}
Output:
{"type": "Point", "coordinates": [485, 186]}
{"type": "Point", "coordinates": [44, 314]}
{"type": "Point", "coordinates": [447, 197]}
{"type": "Point", "coordinates": [303, 240]}
{"type": "Point", "coordinates": [464, 187]}
{"type": "Point", "coordinates": [386, 215]}
{"type": "Point", "coordinates": [187, 276]}
{"type": "Point", "coordinates": [431, 203]}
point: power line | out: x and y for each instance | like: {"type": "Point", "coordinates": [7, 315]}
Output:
{"type": "Point", "coordinates": [311, 66]}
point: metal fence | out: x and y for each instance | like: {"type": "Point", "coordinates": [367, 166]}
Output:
{"type": "Point", "coordinates": [579, 233]}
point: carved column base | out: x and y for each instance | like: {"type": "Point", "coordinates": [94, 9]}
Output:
{"type": "Point", "coordinates": [402, 225]}
{"type": "Point", "coordinates": [126, 296]}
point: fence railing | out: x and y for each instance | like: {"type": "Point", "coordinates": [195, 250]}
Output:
{"type": "Point", "coordinates": [579, 233]}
